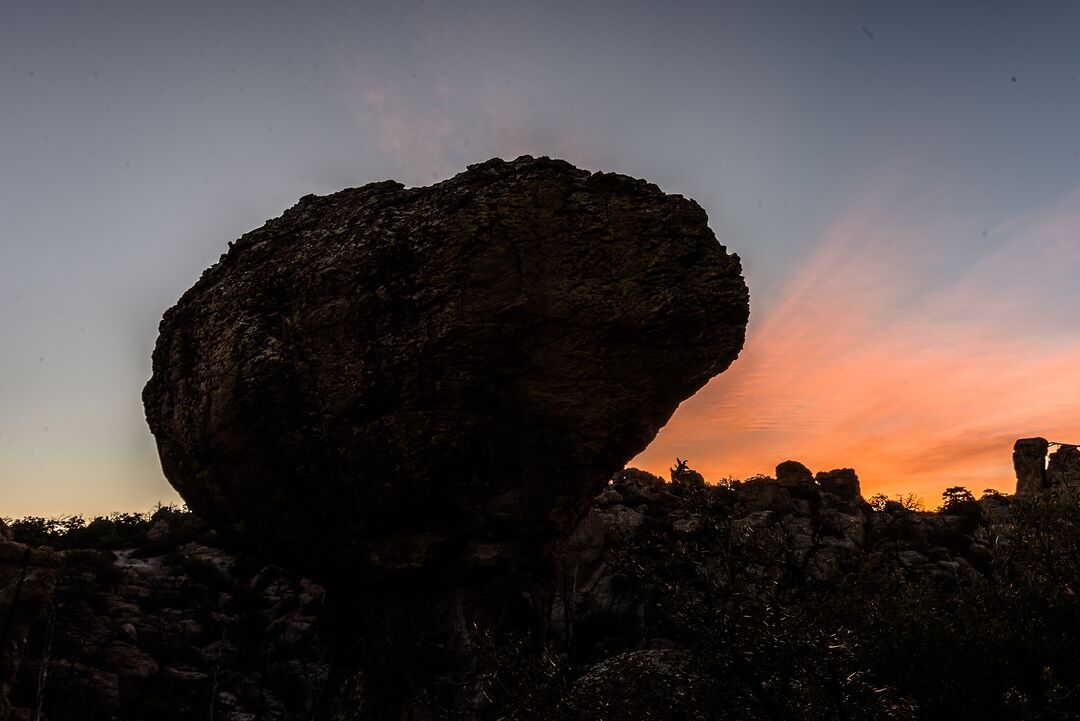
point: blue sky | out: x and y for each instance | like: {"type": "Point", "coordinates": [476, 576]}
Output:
{"type": "Point", "coordinates": [900, 180]}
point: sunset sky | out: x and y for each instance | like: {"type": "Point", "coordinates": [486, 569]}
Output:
{"type": "Point", "coordinates": [901, 180]}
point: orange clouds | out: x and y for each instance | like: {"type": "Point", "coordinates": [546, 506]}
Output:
{"type": "Point", "coordinates": [901, 354]}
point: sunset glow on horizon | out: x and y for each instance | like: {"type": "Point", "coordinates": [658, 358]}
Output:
{"type": "Point", "coordinates": [884, 356]}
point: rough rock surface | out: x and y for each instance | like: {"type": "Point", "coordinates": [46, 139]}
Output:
{"type": "Point", "coordinates": [1063, 468]}
{"type": "Point", "coordinates": [1029, 462]}
{"type": "Point", "coordinates": [794, 476]}
{"type": "Point", "coordinates": [27, 578]}
{"type": "Point", "coordinates": [416, 371]}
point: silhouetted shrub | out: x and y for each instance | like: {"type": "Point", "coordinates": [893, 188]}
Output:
{"type": "Point", "coordinates": [958, 501]}
{"type": "Point", "coordinates": [114, 531]}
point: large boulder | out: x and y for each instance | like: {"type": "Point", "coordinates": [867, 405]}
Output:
{"type": "Point", "coordinates": [415, 393]}
{"type": "Point", "coordinates": [386, 377]}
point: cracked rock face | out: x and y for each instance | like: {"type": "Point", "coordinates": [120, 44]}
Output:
{"type": "Point", "coordinates": [387, 377]}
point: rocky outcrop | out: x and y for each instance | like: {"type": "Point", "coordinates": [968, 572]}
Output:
{"type": "Point", "coordinates": [1029, 462]}
{"type": "Point", "coordinates": [161, 632]}
{"type": "Point", "coordinates": [843, 484]}
{"type": "Point", "coordinates": [795, 478]}
{"type": "Point", "coordinates": [1063, 468]}
{"type": "Point", "coordinates": [816, 528]}
{"type": "Point", "coordinates": [1037, 471]}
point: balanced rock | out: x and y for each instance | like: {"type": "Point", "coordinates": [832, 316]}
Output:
{"type": "Point", "coordinates": [388, 376]}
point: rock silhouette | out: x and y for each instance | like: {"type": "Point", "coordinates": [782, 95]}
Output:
{"type": "Point", "coordinates": [1063, 467]}
{"type": "Point", "coordinates": [1029, 461]}
{"type": "Point", "coordinates": [400, 388]}
{"type": "Point", "coordinates": [383, 374]}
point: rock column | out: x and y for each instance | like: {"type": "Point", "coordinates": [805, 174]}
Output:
{"type": "Point", "coordinates": [1029, 460]}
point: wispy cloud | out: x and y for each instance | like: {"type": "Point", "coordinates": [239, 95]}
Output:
{"type": "Point", "coordinates": [432, 132]}
{"type": "Point", "coordinates": [430, 118]}
{"type": "Point", "coordinates": [906, 353]}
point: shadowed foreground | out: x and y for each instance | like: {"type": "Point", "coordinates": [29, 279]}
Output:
{"type": "Point", "coordinates": [785, 598]}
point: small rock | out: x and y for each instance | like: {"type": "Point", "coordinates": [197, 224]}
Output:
{"type": "Point", "coordinates": [690, 526]}
{"type": "Point", "coordinates": [621, 522]}
{"type": "Point", "coordinates": [608, 497]}
{"type": "Point", "coordinates": [842, 483]}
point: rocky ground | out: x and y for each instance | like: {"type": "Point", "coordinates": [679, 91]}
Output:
{"type": "Point", "coordinates": [166, 628]}
{"type": "Point", "coordinates": [167, 624]}
{"type": "Point", "coordinates": [150, 617]}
